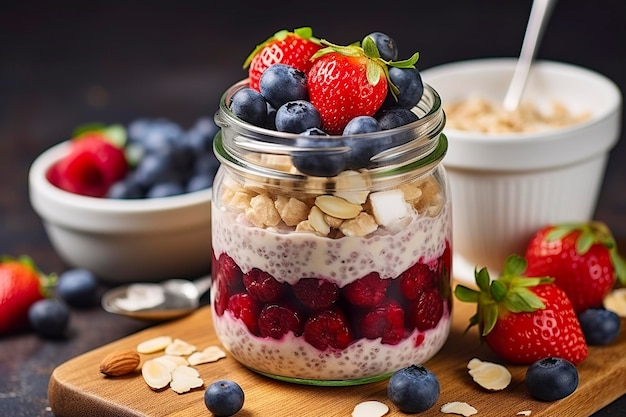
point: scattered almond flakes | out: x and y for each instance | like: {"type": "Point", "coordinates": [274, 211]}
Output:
{"type": "Point", "coordinates": [179, 347]}
{"type": "Point", "coordinates": [524, 413]}
{"type": "Point", "coordinates": [210, 354]}
{"type": "Point", "coordinates": [154, 345]}
{"type": "Point", "coordinates": [616, 301]}
{"type": "Point", "coordinates": [491, 376]}
{"type": "Point", "coordinates": [457, 407]}
{"type": "Point", "coordinates": [184, 379]}
{"type": "Point", "coordinates": [156, 374]}
{"type": "Point", "coordinates": [370, 409]}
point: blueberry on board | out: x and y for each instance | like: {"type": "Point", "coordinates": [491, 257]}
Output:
{"type": "Point", "coordinates": [78, 287]}
{"type": "Point", "coordinates": [395, 117]}
{"type": "Point", "coordinates": [410, 86]}
{"type": "Point", "coordinates": [281, 83]}
{"type": "Point", "coordinates": [49, 318]}
{"type": "Point", "coordinates": [224, 398]}
{"type": "Point", "coordinates": [387, 47]}
{"type": "Point", "coordinates": [413, 389]}
{"type": "Point", "coordinates": [297, 116]}
{"type": "Point", "coordinates": [551, 378]}
{"type": "Point", "coordinates": [600, 326]}
{"type": "Point", "coordinates": [361, 124]}
{"type": "Point", "coordinates": [250, 106]}
{"type": "Point", "coordinates": [324, 163]}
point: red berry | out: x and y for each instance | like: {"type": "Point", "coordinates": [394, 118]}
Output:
{"type": "Point", "coordinates": [416, 279]}
{"type": "Point", "coordinates": [426, 311]}
{"type": "Point", "coordinates": [316, 294]}
{"type": "Point", "coordinates": [386, 321]}
{"type": "Point", "coordinates": [229, 272]}
{"type": "Point", "coordinates": [275, 321]}
{"type": "Point", "coordinates": [328, 329]}
{"type": "Point", "coordinates": [243, 307]}
{"type": "Point", "coordinates": [367, 291]}
{"type": "Point", "coordinates": [262, 286]}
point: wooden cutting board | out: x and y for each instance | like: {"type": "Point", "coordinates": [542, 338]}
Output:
{"type": "Point", "coordinates": [77, 388]}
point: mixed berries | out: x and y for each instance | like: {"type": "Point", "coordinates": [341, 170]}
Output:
{"type": "Point", "coordinates": [325, 315]}
{"type": "Point", "coordinates": [149, 158]}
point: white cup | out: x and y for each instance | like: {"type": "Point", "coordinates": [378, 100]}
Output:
{"type": "Point", "coordinates": [507, 186]}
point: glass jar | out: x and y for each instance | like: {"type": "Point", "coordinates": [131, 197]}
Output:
{"type": "Point", "coordinates": [331, 255]}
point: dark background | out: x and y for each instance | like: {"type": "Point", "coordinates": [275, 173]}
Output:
{"type": "Point", "coordinates": [63, 64]}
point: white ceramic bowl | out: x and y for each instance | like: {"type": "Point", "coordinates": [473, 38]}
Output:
{"type": "Point", "coordinates": [507, 186]}
{"type": "Point", "coordinates": [123, 240]}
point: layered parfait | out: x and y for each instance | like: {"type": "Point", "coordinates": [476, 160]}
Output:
{"type": "Point", "coordinates": [331, 263]}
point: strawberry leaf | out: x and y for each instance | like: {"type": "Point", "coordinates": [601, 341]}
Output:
{"type": "Point", "coordinates": [619, 265]}
{"type": "Point", "coordinates": [482, 279]}
{"type": "Point", "coordinates": [406, 63]}
{"type": "Point", "coordinates": [514, 266]}
{"type": "Point", "coordinates": [466, 294]}
{"type": "Point", "coordinates": [373, 72]}
{"type": "Point", "coordinates": [585, 241]}
{"type": "Point", "coordinates": [370, 48]}
{"type": "Point", "coordinates": [498, 291]}
{"type": "Point", "coordinates": [490, 318]}
{"type": "Point", "coordinates": [520, 299]}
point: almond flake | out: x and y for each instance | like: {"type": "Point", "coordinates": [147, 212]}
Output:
{"type": "Point", "coordinates": [337, 207]}
{"type": "Point", "coordinates": [154, 345]}
{"type": "Point", "coordinates": [460, 408]}
{"type": "Point", "coordinates": [491, 376]}
{"type": "Point", "coordinates": [171, 361]}
{"type": "Point", "coordinates": [210, 354]}
{"type": "Point", "coordinates": [179, 347]}
{"type": "Point", "coordinates": [524, 413]}
{"type": "Point", "coordinates": [184, 379]}
{"type": "Point", "coordinates": [316, 219]}
{"type": "Point", "coordinates": [370, 409]}
{"type": "Point", "coordinates": [156, 374]}
{"type": "Point", "coordinates": [616, 301]}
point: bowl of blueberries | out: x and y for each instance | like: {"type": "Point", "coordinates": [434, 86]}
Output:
{"type": "Point", "coordinates": [130, 202]}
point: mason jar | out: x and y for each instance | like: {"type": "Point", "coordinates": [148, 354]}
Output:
{"type": "Point", "coordinates": [331, 254]}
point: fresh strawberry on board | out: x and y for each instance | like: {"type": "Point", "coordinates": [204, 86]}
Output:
{"type": "Point", "coordinates": [581, 257]}
{"type": "Point", "coordinates": [292, 48]}
{"type": "Point", "coordinates": [21, 284]}
{"type": "Point", "coordinates": [349, 81]}
{"type": "Point", "coordinates": [524, 319]}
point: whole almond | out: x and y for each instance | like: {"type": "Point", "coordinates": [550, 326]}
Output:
{"type": "Point", "coordinates": [120, 363]}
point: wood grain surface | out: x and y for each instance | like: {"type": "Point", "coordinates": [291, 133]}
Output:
{"type": "Point", "coordinates": [77, 388]}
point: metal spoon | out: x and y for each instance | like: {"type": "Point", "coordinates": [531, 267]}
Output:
{"type": "Point", "coordinates": [156, 302]}
{"type": "Point", "coordinates": [539, 15]}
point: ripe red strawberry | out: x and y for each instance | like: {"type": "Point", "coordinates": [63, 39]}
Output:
{"type": "Point", "coordinates": [367, 291]}
{"type": "Point", "coordinates": [349, 81]}
{"type": "Point", "coordinates": [292, 48]}
{"type": "Point", "coordinates": [581, 257]}
{"type": "Point", "coordinates": [262, 286]}
{"type": "Point", "coordinates": [386, 321]}
{"type": "Point", "coordinates": [316, 294]}
{"type": "Point", "coordinates": [524, 319]}
{"type": "Point", "coordinates": [91, 167]}
{"type": "Point", "coordinates": [243, 307]}
{"type": "Point", "coordinates": [275, 321]}
{"type": "Point", "coordinates": [426, 310]}
{"type": "Point", "coordinates": [328, 329]}
{"type": "Point", "coordinates": [21, 284]}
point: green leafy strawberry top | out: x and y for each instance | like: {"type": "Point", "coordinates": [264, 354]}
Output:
{"type": "Point", "coordinates": [509, 293]}
{"type": "Point", "coordinates": [304, 32]}
{"type": "Point", "coordinates": [592, 233]}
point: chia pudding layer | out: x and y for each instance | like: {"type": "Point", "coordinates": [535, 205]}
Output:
{"type": "Point", "coordinates": [289, 256]}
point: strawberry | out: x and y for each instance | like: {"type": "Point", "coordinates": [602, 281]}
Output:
{"type": "Point", "coordinates": [328, 329]}
{"type": "Point", "coordinates": [91, 167]}
{"type": "Point", "coordinates": [349, 81]}
{"type": "Point", "coordinates": [21, 285]}
{"type": "Point", "coordinates": [367, 291]}
{"type": "Point", "coordinates": [292, 48]}
{"type": "Point", "coordinates": [524, 319]}
{"type": "Point", "coordinates": [581, 257]}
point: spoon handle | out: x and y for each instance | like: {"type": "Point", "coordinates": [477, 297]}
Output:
{"type": "Point", "coordinates": [203, 284]}
{"type": "Point", "coordinates": [539, 14]}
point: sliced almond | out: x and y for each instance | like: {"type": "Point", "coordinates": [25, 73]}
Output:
{"type": "Point", "coordinates": [337, 207]}
{"type": "Point", "coordinates": [154, 345]}
{"type": "Point", "coordinates": [210, 354]}
{"type": "Point", "coordinates": [616, 301]}
{"type": "Point", "coordinates": [179, 347]}
{"type": "Point", "coordinates": [460, 408]}
{"type": "Point", "coordinates": [489, 375]}
{"type": "Point", "coordinates": [370, 409]}
{"type": "Point", "coordinates": [316, 219]}
{"type": "Point", "coordinates": [171, 361]}
{"type": "Point", "coordinates": [524, 413]}
{"type": "Point", "coordinates": [352, 187]}
{"type": "Point", "coordinates": [184, 379]}
{"type": "Point", "coordinates": [156, 374]}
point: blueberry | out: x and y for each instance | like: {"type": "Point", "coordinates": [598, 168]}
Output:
{"type": "Point", "coordinates": [387, 47]}
{"type": "Point", "coordinates": [314, 131]}
{"type": "Point", "coordinates": [154, 134]}
{"type": "Point", "coordinates": [281, 83]}
{"type": "Point", "coordinates": [78, 287]}
{"type": "Point", "coordinates": [165, 189]}
{"type": "Point", "coordinates": [297, 116]}
{"type": "Point", "coordinates": [155, 168]}
{"type": "Point", "coordinates": [361, 124]}
{"type": "Point", "coordinates": [224, 398]}
{"type": "Point", "coordinates": [551, 378]}
{"type": "Point", "coordinates": [409, 82]}
{"type": "Point", "coordinates": [395, 117]}
{"type": "Point", "coordinates": [126, 189]}
{"type": "Point", "coordinates": [325, 163]}
{"type": "Point", "coordinates": [413, 389]}
{"type": "Point", "coordinates": [600, 326]}
{"type": "Point", "coordinates": [206, 163]}
{"type": "Point", "coordinates": [199, 182]}
{"type": "Point", "coordinates": [250, 106]}
{"type": "Point", "coordinates": [49, 318]}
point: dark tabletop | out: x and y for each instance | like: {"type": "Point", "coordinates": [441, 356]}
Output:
{"type": "Point", "coordinates": [63, 64]}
